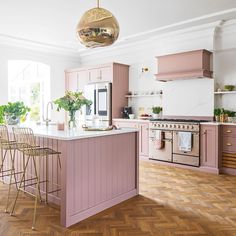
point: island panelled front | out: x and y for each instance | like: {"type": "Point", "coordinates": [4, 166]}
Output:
{"type": "Point", "coordinates": [97, 172]}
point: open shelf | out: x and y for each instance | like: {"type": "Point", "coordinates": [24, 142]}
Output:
{"type": "Point", "coordinates": [144, 95]}
{"type": "Point", "coordinates": [225, 92]}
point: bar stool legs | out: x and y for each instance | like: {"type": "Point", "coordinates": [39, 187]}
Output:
{"type": "Point", "coordinates": [11, 175]}
{"type": "Point", "coordinates": [38, 195]}
{"type": "Point", "coordinates": [20, 186]}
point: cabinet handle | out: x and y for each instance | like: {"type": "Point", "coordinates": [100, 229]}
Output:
{"type": "Point", "coordinates": [229, 144]}
{"type": "Point", "coordinates": [229, 131]}
{"type": "Point", "coordinates": [204, 132]}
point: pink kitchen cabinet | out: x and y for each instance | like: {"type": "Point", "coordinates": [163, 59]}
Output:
{"type": "Point", "coordinates": [115, 73]}
{"type": "Point", "coordinates": [143, 140]}
{"type": "Point", "coordinates": [209, 146]}
{"type": "Point", "coordinates": [72, 81]}
{"type": "Point", "coordinates": [76, 80]}
{"type": "Point", "coordinates": [143, 134]}
{"type": "Point", "coordinates": [101, 74]}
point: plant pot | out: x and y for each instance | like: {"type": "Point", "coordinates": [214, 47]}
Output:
{"type": "Point", "coordinates": [217, 118]}
{"type": "Point", "coordinates": [155, 116]}
{"type": "Point", "coordinates": [12, 120]}
{"type": "Point", "coordinates": [230, 119]}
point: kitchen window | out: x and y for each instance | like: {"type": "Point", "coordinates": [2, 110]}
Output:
{"type": "Point", "coordinates": [29, 82]}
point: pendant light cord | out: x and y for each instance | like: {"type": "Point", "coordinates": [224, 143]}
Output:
{"type": "Point", "coordinates": [98, 5]}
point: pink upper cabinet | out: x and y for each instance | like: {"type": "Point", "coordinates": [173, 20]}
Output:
{"type": "Point", "coordinates": [186, 65]}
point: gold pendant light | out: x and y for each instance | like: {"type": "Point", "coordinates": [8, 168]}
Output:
{"type": "Point", "coordinates": [98, 28]}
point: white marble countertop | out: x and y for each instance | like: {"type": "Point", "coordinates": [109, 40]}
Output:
{"type": "Point", "coordinates": [73, 134]}
{"type": "Point", "coordinates": [131, 120]}
{"type": "Point", "coordinates": [217, 123]}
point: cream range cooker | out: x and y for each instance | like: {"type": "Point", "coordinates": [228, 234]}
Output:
{"type": "Point", "coordinates": [167, 131]}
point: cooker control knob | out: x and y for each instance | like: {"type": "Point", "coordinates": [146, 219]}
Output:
{"type": "Point", "coordinates": [155, 124]}
{"type": "Point", "coordinates": [192, 127]}
{"type": "Point", "coordinates": [170, 126]}
{"type": "Point", "coordinates": [187, 127]}
{"type": "Point", "coordinates": [183, 126]}
{"type": "Point", "coordinates": [174, 126]}
{"type": "Point", "coordinates": [158, 125]}
{"type": "Point", "coordinates": [179, 126]}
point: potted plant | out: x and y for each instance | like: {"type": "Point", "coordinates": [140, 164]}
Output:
{"type": "Point", "coordinates": [230, 115]}
{"type": "Point", "coordinates": [14, 111]}
{"type": "Point", "coordinates": [1, 115]}
{"type": "Point", "coordinates": [156, 111]}
{"type": "Point", "coordinates": [72, 102]}
{"type": "Point", "coordinates": [229, 87]}
{"type": "Point", "coordinates": [217, 113]}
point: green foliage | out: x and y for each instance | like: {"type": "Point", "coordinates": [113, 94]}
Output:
{"type": "Point", "coordinates": [15, 109]}
{"type": "Point", "coordinates": [218, 111]}
{"type": "Point", "coordinates": [156, 110]}
{"type": "Point", "coordinates": [72, 101]}
{"type": "Point", "coordinates": [1, 115]}
{"type": "Point", "coordinates": [230, 113]}
{"type": "Point", "coordinates": [222, 111]}
{"type": "Point", "coordinates": [229, 87]}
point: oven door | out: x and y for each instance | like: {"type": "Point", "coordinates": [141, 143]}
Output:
{"type": "Point", "coordinates": [163, 154]}
{"type": "Point", "coordinates": [195, 145]}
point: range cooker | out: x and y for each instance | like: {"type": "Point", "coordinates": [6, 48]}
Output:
{"type": "Point", "coordinates": [170, 150]}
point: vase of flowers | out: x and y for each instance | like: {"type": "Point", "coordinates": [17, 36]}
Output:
{"type": "Point", "coordinates": [72, 102]}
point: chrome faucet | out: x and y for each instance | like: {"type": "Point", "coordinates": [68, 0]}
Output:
{"type": "Point", "coordinates": [47, 120]}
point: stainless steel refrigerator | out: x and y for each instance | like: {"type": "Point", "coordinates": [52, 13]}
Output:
{"type": "Point", "coordinates": [100, 95]}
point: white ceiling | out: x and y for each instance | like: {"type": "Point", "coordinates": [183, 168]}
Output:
{"type": "Point", "coordinates": [54, 21]}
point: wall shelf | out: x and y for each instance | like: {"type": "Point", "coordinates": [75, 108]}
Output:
{"type": "Point", "coordinates": [225, 92]}
{"type": "Point", "coordinates": [139, 96]}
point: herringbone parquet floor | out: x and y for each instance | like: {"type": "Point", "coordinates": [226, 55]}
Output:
{"type": "Point", "coordinates": [172, 202]}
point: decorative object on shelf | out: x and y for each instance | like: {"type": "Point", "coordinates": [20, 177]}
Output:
{"type": "Point", "coordinates": [72, 102]}
{"type": "Point", "coordinates": [145, 69]}
{"type": "Point", "coordinates": [229, 87]}
{"type": "Point", "coordinates": [156, 111]}
{"type": "Point", "coordinates": [98, 27]}
{"type": "Point", "coordinates": [144, 94]}
{"type": "Point", "coordinates": [14, 112]}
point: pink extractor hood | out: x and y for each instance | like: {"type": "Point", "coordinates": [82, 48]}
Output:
{"type": "Point", "coordinates": [185, 65]}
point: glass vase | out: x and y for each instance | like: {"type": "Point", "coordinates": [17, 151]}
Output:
{"type": "Point", "coordinates": [72, 120]}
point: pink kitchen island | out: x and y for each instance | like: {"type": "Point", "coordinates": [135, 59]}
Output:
{"type": "Point", "coordinates": [98, 169]}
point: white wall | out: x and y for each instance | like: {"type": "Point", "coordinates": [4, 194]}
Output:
{"type": "Point", "coordinates": [225, 64]}
{"type": "Point", "coordinates": [184, 98]}
{"type": "Point", "coordinates": [58, 63]}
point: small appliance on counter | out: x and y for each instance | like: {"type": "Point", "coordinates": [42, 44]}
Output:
{"type": "Point", "coordinates": [126, 112]}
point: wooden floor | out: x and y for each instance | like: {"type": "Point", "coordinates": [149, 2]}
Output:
{"type": "Point", "coordinates": [172, 201]}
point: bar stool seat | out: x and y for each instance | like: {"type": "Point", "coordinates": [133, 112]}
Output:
{"type": "Point", "coordinates": [26, 144]}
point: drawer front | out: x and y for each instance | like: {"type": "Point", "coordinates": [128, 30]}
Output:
{"type": "Point", "coordinates": [125, 124]}
{"type": "Point", "coordinates": [229, 130]}
{"type": "Point", "coordinates": [229, 144]}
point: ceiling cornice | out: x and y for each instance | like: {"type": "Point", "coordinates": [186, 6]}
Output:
{"type": "Point", "coordinates": [74, 51]}
{"type": "Point", "coordinates": [11, 41]}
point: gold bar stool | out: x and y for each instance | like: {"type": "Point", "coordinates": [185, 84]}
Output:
{"type": "Point", "coordinates": [6, 145]}
{"type": "Point", "coordinates": [26, 143]}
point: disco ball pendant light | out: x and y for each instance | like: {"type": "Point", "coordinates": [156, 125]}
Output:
{"type": "Point", "coordinates": [97, 28]}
